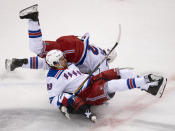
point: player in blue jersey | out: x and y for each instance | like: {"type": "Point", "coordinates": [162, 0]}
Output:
{"type": "Point", "coordinates": [64, 78]}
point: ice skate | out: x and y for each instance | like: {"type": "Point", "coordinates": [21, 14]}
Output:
{"type": "Point", "coordinates": [12, 64]}
{"type": "Point", "coordinates": [29, 13]}
{"type": "Point", "coordinates": [157, 89]}
{"type": "Point", "coordinates": [64, 111]}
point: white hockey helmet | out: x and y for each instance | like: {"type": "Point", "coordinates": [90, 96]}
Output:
{"type": "Point", "coordinates": [53, 57]}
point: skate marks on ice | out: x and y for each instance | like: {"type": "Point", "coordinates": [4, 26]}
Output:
{"type": "Point", "coordinates": [16, 119]}
{"type": "Point", "coordinates": [172, 77]}
{"type": "Point", "coordinates": [19, 84]}
{"type": "Point", "coordinates": [10, 75]}
{"type": "Point", "coordinates": [140, 103]}
{"type": "Point", "coordinates": [39, 119]}
{"type": "Point", "coordinates": [128, 112]}
{"type": "Point", "coordinates": [153, 125]}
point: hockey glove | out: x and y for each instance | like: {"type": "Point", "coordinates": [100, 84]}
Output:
{"type": "Point", "coordinates": [112, 56]}
{"type": "Point", "coordinates": [71, 101]}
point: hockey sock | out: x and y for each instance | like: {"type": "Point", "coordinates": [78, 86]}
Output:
{"type": "Point", "coordinates": [32, 63]}
{"type": "Point", "coordinates": [126, 84]}
{"type": "Point", "coordinates": [36, 63]}
{"type": "Point", "coordinates": [33, 25]}
{"type": "Point", "coordinates": [35, 37]}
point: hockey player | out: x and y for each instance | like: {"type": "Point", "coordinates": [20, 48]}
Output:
{"type": "Point", "coordinates": [76, 50]}
{"type": "Point", "coordinates": [64, 78]}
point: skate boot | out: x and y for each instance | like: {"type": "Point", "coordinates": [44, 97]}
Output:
{"type": "Point", "coordinates": [30, 13]}
{"type": "Point", "coordinates": [64, 111]}
{"type": "Point", "coordinates": [91, 116]}
{"type": "Point", "coordinates": [157, 89]}
{"type": "Point", "coordinates": [12, 64]}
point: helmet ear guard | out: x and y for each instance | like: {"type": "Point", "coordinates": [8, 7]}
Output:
{"type": "Point", "coordinates": [52, 58]}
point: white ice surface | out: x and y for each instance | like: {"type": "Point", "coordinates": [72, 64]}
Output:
{"type": "Point", "coordinates": [147, 44]}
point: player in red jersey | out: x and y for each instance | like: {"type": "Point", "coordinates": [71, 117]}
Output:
{"type": "Point", "coordinates": [76, 50]}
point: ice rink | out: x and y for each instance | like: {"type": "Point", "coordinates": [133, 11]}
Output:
{"type": "Point", "coordinates": [147, 44]}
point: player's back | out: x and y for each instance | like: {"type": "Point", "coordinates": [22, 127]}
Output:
{"type": "Point", "coordinates": [72, 47]}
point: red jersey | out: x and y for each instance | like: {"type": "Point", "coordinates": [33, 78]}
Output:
{"type": "Point", "coordinates": [73, 48]}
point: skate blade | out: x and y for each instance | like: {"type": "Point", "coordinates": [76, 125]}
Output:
{"type": "Point", "coordinates": [93, 119]}
{"type": "Point", "coordinates": [28, 10]}
{"type": "Point", "coordinates": [8, 63]}
{"type": "Point", "coordinates": [162, 88]}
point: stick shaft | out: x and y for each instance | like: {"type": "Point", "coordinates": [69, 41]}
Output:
{"type": "Point", "coordinates": [90, 74]}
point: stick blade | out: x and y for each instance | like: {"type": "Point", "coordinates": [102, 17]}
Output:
{"type": "Point", "coordinates": [162, 88]}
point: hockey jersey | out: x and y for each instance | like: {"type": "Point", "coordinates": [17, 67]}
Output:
{"type": "Point", "coordinates": [64, 81]}
{"type": "Point", "coordinates": [73, 48]}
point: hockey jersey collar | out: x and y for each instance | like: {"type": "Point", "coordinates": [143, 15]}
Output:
{"type": "Point", "coordinates": [56, 73]}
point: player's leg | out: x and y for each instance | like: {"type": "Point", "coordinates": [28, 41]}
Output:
{"type": "Point", "coordinates": [147, 83]}
{"type": "Point", "coordinates": [36, 63]}
{"type": "Point", "coordinates": [126, 84]}
{"type": "Point", "coordinates": [30, 63]}
{"type": "Point", "coordinates": [126, 73]}
{"type": "Point", "coordinates": [35, 35]}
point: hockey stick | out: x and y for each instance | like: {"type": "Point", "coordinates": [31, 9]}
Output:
{"type": "Point", "coordinates": [95, 69]}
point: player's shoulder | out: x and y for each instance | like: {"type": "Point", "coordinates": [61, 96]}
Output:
{"type": "Point", "coordinates": [72, 66]}
{"type": "Point", "coordinates": [53, 73]}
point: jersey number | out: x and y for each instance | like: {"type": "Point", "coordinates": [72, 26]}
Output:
{"type": "Point", "coordinates": [49, 86]}
{"type": "Point", "coordinates": [95, 51]}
